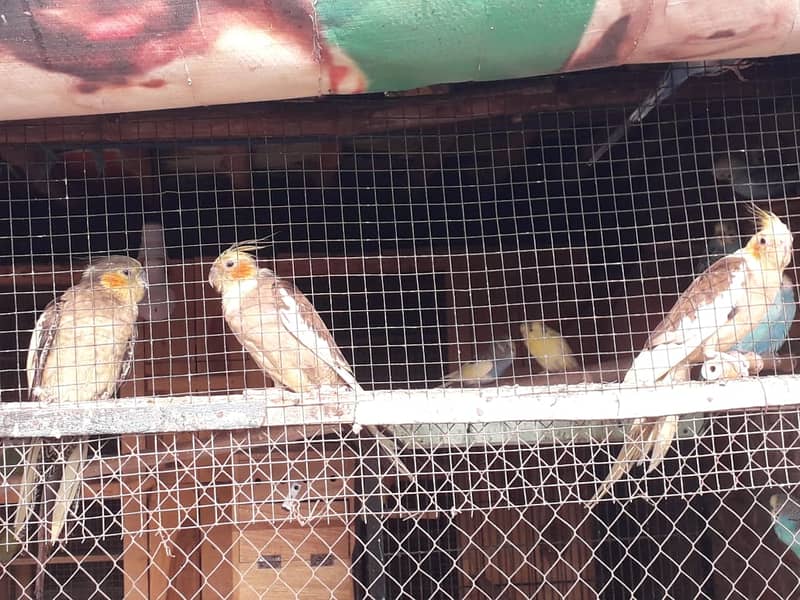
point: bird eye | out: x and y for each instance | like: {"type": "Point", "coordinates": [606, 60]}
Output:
{"type": "Point", "coordinates": [230, 263]}
{"type": "Point", "coordinates": [762, 240]}
{"type": "Point", "coordinates": [126, 272]}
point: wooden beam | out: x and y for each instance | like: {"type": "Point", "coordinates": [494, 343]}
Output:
{"type": "Point", "coordinates": [336, 406]}
{"type": "Point", "coordinates": [43, 277]}
{"type": "Point", "coordinates": [353, 115]}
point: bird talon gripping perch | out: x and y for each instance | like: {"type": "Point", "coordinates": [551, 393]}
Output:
{"type": "Point", "coordinates": [720, 308]}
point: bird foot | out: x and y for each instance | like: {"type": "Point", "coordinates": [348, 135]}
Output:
{"type": "Point", "coordinates": [43, 395]}
{"type": "Point", "coordinates": [730, 365]}
{"type": "Point", "coordinates": [737, 68]}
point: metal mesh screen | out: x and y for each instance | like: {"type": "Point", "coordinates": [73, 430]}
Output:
{"type": "Point", "coordinates": [433, 253]}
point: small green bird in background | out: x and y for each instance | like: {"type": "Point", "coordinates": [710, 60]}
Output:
{"type": "Point", "coordinates": [548, 348]}
{"type": "Point", "coordinates": [786, 514]}
{"type": "Point", "coordinates": [491, 362]}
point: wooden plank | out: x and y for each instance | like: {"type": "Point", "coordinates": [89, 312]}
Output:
{"type": "Point", "coordinates": [279, 562]}
{"type": "Point", "coordinates": [346, 116]}
{"type": "Point", "coordinates": [40, 276]}
{"type": "Point", "coordinates": [135, 548]}
{"type": "Point", "coordinates": [217, 551]}
{"type": "Point", "coordinates": [174, 546]}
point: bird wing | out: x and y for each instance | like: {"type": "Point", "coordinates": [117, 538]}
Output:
{"type": "Point", "coordinates": [710, 302]}
{"type": "Point", "coordinates": [127, 358]}
{"type": "Point", "coordinates": [41, 343]}
{"type": "Point", "coordinates": [301, 319]}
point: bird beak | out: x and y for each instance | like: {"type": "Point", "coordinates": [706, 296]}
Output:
{"type": "Point", "coordinates": [144, 280]}
{"type": "Point", "coordinates": [213, 276]}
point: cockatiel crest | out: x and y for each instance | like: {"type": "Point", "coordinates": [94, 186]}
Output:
{"type": "Point", "coordinates": [719, 309]}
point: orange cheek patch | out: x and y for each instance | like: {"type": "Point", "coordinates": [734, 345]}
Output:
{"type": "Point", "coordinates": [243, 270]}
{"type": "Point", "coordinates": [114, 281]}
{"type": "Point", "coordinates": [755, 249]}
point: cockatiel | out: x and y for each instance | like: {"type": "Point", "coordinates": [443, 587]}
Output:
{"type": "Point", "coordinates": [720, 308]}
{"type": "Point", "coordinates": [81, 349]}
{"type": "Point", "coordinates": [548, 348]}
{"type": "Point", "coordinates": [769, 336]}
{"type": "Point", "coordinates": [491, 362]}
{"type": "Point", "coordinates": [785, 512]}
{"type": "Point", "coordinates": [281, 329]}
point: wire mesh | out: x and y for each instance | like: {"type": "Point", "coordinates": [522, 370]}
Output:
{"type": "Point", "coordinates": [433, 255]}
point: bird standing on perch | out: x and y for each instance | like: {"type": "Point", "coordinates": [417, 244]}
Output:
{"type": "Point", "coordinates": [490, 363]}
{"type": "Point", "coordinates": [548, 348]}
{"type": "Point", "coordinates": [81, 349]}
{"type": "Point", "coordinates": [769, 336]}
{"type": "Point", "coordinates": [282, 330]}
{"type": "Point", "coordinates": [719, 309]}
{"type": "Point", "coordinates": [785, 512]}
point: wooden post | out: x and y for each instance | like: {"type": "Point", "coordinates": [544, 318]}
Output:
{"type": "Point", "coordinates": [369, 562]}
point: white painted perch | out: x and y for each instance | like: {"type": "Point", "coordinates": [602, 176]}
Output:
{"type": "Point", "coordinates": [273, 408]}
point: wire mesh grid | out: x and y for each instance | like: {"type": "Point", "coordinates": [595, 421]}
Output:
{"type": "Point", "coordinates": [492, 256]}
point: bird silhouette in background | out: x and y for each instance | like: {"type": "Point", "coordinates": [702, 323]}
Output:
{"type": "Point", "coordinates": [769, 336]}
{"type": "Point", "coordinates": [282, 331]}
{"type": "Point", "coordinates": [721, 307]}
{"type": "Point", "coordinates": [159, 301]}
{"type": "Point", "coordinates": [489, 365]}
{"type": "Point", "coordinates": [751, 179]}
{"type": "Point", "coordinates": [675, 76]}
{"type": "Point", "coordinates": [548, 348]}
{"type": "Point", "coordinates": [785, 512]}
{"type": "Point", "coordinates": [81, 349]}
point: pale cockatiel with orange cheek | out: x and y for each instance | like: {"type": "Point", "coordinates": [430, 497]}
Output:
{"type": "Point", "coordinates": [719, 308]}
{"type": "Point", "coordinates": [81, 349]}
{"type": "Point", "coordinates": [281, 329]}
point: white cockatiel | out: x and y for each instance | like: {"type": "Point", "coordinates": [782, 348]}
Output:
{"type": "Point", "coordinates": [719, 308]}
{"type": "Point", "coordinates": [282, 331]}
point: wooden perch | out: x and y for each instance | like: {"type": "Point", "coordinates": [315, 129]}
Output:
{"type": "Point", "coordinates": [271, 407]}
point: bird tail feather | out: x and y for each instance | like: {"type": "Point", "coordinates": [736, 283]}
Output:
{"type": "Point", "coordinates": [646, 437]}
{"type": "Point", "coordinates": [71, 479]}
{"type": "Point", "coordinates": [390, 447]}
{"type": "Point", "coordinates": [661, 440]}
{"type": "Point", "coordinates": [28, 485]}
{"type": "Point", "coordinates": [386, 442]}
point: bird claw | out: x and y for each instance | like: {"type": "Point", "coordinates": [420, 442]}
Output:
{"type": "Point", "coordinates": [42, 395]}
{"type": "Point", "coordinates": [732, 66]}
{"type": "Point", "coordinates": [737, 68]}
